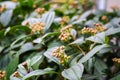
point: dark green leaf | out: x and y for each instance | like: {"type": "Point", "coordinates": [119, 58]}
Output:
{"type": "Point", "coordinates": [11, 67]}
{"type": "Point", "coordinates": [100, 66]}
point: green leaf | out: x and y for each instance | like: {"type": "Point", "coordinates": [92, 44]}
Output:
{"type": "Point", "coordinates": [54, 43]}
{"type": "Point", "coordinates": [11, 67]}
{"type": "Point", "coordinates": [9, 4]}
{"type": "Point", "coordinates": [98, 38]}
{"type": "Point", "coordinates": [2, 32]}
{"type": "Point", "coordinates": [40, 39]}
{"type": "Point", "coordinates": [115, 22]}
{"type": "Point", "coordinates": [26, 4]}
{"type": "Point", "coordinates": [100, 66]}
{"type": "Point", "coordinates": [89, 77]}
{"type": "Point", "coordinates": [48, 18]}
{"type": "Point", "coordinates": [31, 21]}
{"type": "Point", "coordinates": [1, 48]}
{"type": "Point", "coordinates": [38, 72]}
{"type": "Point", "coordinates": [83, 17]}
{"type": "Point", "coordinates": [73, 33]}
{"type": "Point", "coordinates": [51, 34]}
{"type": "Point", "coordinates": [78, 41]}
{"type": "Point", "coordinates": [5, 17]}
{"type": "Point", "coordinates": [4, 61]}
{"type": "Point", "coordinates": [92, 52]}
{"type": "Point", "coordinates": [112, 31]}
{"type": "Point", "coordinates": [89, 65]}
{"type": "Point", "coordinates": [74, 73]}
{"type": "Point", "coordinates": [35, 60]}
{"type": "Point", "coordinates": [117, 77]}
{"type": "Point", "coordinates": [26, 47]}
{"type": "Point", "coordinates": [6, 31]}
{"type": "Point", "coordinates": [14, 78]}
{"type": "Point", "coordinates": [21, 70]}
{"type": "Point", "coordinates": [17, 40]}
{"type": "Point", "coordinates": [19, 28]}
{"type": "Point", "coordinates": [75, 59]}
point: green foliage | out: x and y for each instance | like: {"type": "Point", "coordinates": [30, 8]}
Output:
{"type": "Point", "coordinates": [47, 40]}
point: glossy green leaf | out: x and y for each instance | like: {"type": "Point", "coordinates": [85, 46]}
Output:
{"type": "Point", "coordinates": [73, 33]}
{"type": "Point", "coordinates": [35, 60]}
{"type": "Point", "coordinates": [92, 52]}
{"type": "Point", "coordinates": [48, 19]}
{"type": "Point", "coordinates": [40, 39]}
{"type": "Point", "coordinates": [38, 72]}
{"type": "Point", "coordinates": [112, 31]}
{"type": "Point", "coordinates": [19, 28]}
{"type": "Point", "coordinates": [74, 72]}
{"type": "Point", "coordinates": [78, 41]}
{"type": "Point", "coordinates": [17, 40]}
{"type": "Point", "coordinates": [5, 18]}
{"type": "Point", "coordinates": [98, 38]}
{"type": "Point", "coordinates": [26, 47]}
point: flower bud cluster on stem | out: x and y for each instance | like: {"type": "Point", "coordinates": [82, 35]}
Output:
{"type": "Point", "coordinates": [2, 8]}
{"type": "Point", "coordinates": [116, 60]}
{"type": "Point", "coordinates": [24, 64]}
{"type": "Point", "coordinates": [65, 33]}
{"type": "Point", "coordinates": [40, 10]}
{"type": "Point", "coordinates": [59, 53]}
{"type": "Point", "coordinates": [97, 28]}
{"type": "Point", "coordinates": [2, 75]}
{"type": "Point", "coordinates": [65, 19]}
{"type": "Point", "coordinates": [37, 27]}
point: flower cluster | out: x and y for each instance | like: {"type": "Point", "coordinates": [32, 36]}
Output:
{"type": "Point", "coordinates": [2, 75]}
{"type": "Point", "coordinates": [60, 54]}
{"type": "Point", "coordinates": [16, 74]}
{"type": "Point", "coordinates": [115, 7]}
{"type": "Point", "coordinates": [97, 28]}
{"type": "Point", "coordinates": [2, 8]}
{"type": "Point", "coordinates": [40, 10]}
{"type": "Point", "coordinates": [65, 33]}
{"type": "Point", "coordinates": [88, 30]}
{"type": "Point", "coordinates": [37, 27]}
{"type": "Point", "coordinates": [65, 19]}
{"type": "Point", "coordinates": [116, 60]}
{"type": "Point", "coordinates": [104, 18]}
{"type": "Point", "coordinates": [83, 1]}
{"type": "Point", "coordinates": [24, 64]}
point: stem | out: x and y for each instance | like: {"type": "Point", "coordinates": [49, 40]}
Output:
{"type": "Point", "coordinates": [65, 79]}
{"type": "Point", "coordinates": [78, 46]}
{"type": "Point", "coordinates": [59, 75]}
{"type": "Point", "coordinates": [81, 50]}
